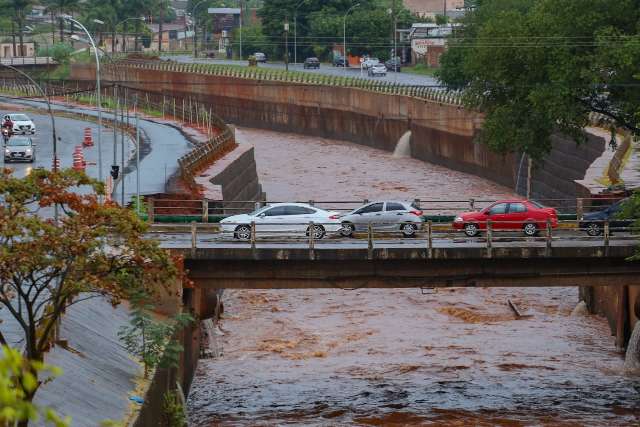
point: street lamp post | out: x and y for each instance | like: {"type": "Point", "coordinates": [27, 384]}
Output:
{"type": "Point", "coordinates": [344, 32]}
{"type": "Point", "coordinates": [195, 27]}
{"type": "Point", "coordinates": [295, 31]}
{"type": "Point", "coordinates": [286, 44]}
{"type": "Point", "coordinates": [98, 90]}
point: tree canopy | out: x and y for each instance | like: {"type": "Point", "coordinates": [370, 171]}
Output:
{"type": "Point", "coordinates": [537, 67]}
{"type": "Point", "coordinates": [95, 249]}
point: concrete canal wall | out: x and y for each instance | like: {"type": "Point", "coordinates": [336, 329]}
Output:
{"type": "Point", "coordinates": [442, 133]}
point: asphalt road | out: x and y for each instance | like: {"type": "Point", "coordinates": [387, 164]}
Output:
{"type": "Point", "coordinates": [162, 145]}
{"type": "Point", "coordinates": [401, 78]}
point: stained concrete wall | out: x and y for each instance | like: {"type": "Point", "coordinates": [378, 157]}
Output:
{"type": "Point", "coordinates": [441, 133]}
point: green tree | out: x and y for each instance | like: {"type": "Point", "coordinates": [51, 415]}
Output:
{"type": "Point", "coordinates": [95, 249]}
{"type": "Point", "coordinates": [150, 339]}
{"type": "Point", "coordinates": [18, 374]}
{"type": "Point", "coordinates": [63, 7]}
{"type": "Point", "coordinates": [19, 10]}
{"type": "Point", "coordinates": [539, 67]}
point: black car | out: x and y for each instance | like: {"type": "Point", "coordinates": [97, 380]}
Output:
{"type": "Point", "coordinates": [394, 65]}
{"type": "Point", "coordinates": [593, 222]}
{"type": "Point", "coordinates": [312, 63]}
{"type": "Point", "coordinates": [340, 61]}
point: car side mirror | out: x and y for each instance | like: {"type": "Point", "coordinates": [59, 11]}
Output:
{"type": "Point", "coordinates": [261, 215]}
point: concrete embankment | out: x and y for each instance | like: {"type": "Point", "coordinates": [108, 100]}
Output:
{"type": "Point", "coordinates": [442, 133]}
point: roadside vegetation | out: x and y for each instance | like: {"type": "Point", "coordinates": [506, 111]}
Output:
{"type": "Point", "coordinates": [535, 68]}
{"type": "Point", "coordinates": [94, 249]}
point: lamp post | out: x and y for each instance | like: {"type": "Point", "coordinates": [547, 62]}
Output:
{"type": "Point", "coordinates": [240, 4]}
{"type": "Point", "coordinates": [286, 44]}
{"type": "Point", "coordinates": [98, 99]}
{"type": "Point", "coordinates": [195, 27]}
{"type": "Point", "coordinates": [344, 33]}
{"type": "Point", "coordinates": [142, 18]}
{"type": "Point", "coordinates": [295, 31]}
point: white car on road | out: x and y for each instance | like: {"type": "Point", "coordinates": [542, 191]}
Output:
{"type": "Point", "coordinates": [283, 219]}
{"type": "Point", "coordinates": [370, 62]}
{"type": "Point", "coordinates": [377, 70]}
{"type": "Point", "coordinates": [22, 124]}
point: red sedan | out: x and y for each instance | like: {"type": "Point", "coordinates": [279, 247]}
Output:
{"type": "Point", "coordinates": [525, 215]}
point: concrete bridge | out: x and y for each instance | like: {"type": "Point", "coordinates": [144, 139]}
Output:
{"type": "Point", "coordinates": [418, 263]}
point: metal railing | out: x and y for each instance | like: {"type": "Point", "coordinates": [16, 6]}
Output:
{"type": "Point", "coordinates": [439, 211]}
{"type": "Point", "coordinates": [429, 235]}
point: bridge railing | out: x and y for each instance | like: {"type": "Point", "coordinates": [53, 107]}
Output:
{"type": "Point", "coordinates": [544, 234]}
{"type": "Point", "coordinates": [439, 211]}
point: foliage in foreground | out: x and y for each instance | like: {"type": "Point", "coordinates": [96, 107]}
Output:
{"type": "Point", "coordinates": [18, 375]}
{"type": "Point", "coordinates": [153, 340]}
{"type": "Point", "coordinates": [95, 249]}
{"type": "Point", "coordinates": [537, 67]}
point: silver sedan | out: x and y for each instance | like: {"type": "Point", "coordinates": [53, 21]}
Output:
{"type": "Point", "coordinates": [405, 217]}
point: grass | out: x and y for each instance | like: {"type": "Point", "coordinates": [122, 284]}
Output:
{"type": "Point", "coordinates": [420, 69]}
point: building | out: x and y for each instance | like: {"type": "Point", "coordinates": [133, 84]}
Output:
{"type": "Point", "coordinates": [431, 8]}
{"type": "Point", "coordinates": [6, 50]}
{"type": "Point", "coordinates": [428, 43]}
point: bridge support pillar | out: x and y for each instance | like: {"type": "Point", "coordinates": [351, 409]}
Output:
{"type": "Point", "coordinates": [622, 317]}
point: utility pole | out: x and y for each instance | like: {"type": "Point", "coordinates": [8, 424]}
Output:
{"type": "Point", "coordinates": [444, 9]}
{"type": "Point", "coordinates": [286, 43]}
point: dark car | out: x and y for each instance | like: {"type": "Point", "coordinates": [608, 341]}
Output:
{"type": "Point", "coordinates": [593, 222]}
{"type": "Point", "coordinates": [394, 65]}
{"type": "Point", "coordinates": [312, 63]}
{"type": "Point", "coordinates": [340, 61]}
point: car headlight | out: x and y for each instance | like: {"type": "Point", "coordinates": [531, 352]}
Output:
{"type": "Point", "coordinates": [7, 151]}
{"type": "Point", "coordinates": [458, 219]}
{"type": "Point", "coordinates": [29, 151]}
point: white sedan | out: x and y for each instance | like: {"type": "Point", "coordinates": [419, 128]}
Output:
{"type": "Point", "coordinates": [282, 219]}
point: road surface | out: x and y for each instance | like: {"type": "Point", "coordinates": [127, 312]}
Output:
{"type": "Point", "coordinates": [327, 69]}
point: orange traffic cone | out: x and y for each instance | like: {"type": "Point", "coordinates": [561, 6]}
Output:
{"type": "Point", "coordinates": [88, 138]}
{"type": "Point", "coordinates": [78, 159]}
{"type": "Point", "coordinates": [55, 164]}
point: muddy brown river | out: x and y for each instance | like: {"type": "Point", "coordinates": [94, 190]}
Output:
{"type": "Point", "coordinates": [391, 357]}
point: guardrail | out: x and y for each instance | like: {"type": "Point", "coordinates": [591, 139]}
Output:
{"type": "Point", "coordinates": [300, 78]}
{"type": "Point", "coordinates": [430, 235]}
{"type": "Point", "coordinates": [439, 211]}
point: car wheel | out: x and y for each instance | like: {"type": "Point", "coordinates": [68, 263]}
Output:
{"type": "Point", "coordinates": [593, 229]}
{"type": "Point", "coordinates": [243, 232]}
{"type": "Point", "coordinates": [347, 229]}
{"type": "Point", "coordinates": [530, 229]}
{"type": "Point", "coordinates": [471, 230]}
{"type": "Point", "coordinates": [409, 230]}
{"type": "Point", "coordinates": [318, 231]}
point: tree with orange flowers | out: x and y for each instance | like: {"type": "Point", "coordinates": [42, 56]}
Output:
{"type": "Point", "coordinates": [93, 249]}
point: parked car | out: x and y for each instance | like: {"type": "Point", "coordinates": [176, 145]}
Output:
{"type": "Point", "coordinates": [377, 70]}
{"type": "Point", "coordinates": [394, 65]}
{"type": "Point", "coordinates": [593, 222]}
{"type": "Point", "coordinates": [383, 216]}
{"type": "Point", "coordinates": [526, 215]}
{"type": "Point", "coordinates": [22, 124]}
{"type": "Point", "coordinates": [312, 62]}
{"type": "Point", "coordinates": [20, 148]}
{"type": "Point", "coordinates": [260, 57]}
{"type": "Point", "coordinates": [340, 61]}
{"type": "Point", "coordinates": [283, 219]}
{"type": "Point", "coordinates": [370, 62]}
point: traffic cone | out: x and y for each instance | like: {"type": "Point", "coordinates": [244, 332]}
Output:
{"type": "Point", "coordinates": [55, 164]}
{"type": "Point", "coordinates": [78, 159]}
{"type": "Point", "coordinates": [88, 138]}
{"type": "Point", "coordinates": [108, 189]}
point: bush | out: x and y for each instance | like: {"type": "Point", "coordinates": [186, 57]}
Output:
{"type": "Point", "coordinates": [60, 52]}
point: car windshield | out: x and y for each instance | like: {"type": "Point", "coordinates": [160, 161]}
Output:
{"type": "Point", "coordinates": [19, 142]}
{"type": "Point", "coordinates": [258, 211]}
{"type": "Point", "coordinates": [19, 117]}
{"type": "Point", "coordinates": [536, 204]}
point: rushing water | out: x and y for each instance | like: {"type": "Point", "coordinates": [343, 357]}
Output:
{"type": "Point", "coordinates": [402, 357]}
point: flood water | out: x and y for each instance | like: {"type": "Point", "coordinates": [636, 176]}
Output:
{"type": "Point", "coordinates": [391, 357]}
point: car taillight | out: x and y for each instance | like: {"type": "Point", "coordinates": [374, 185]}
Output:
{"type": "Point", "coordinates": [334, 217]}
{"type": "Point", "coordinates": [416, 213]}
